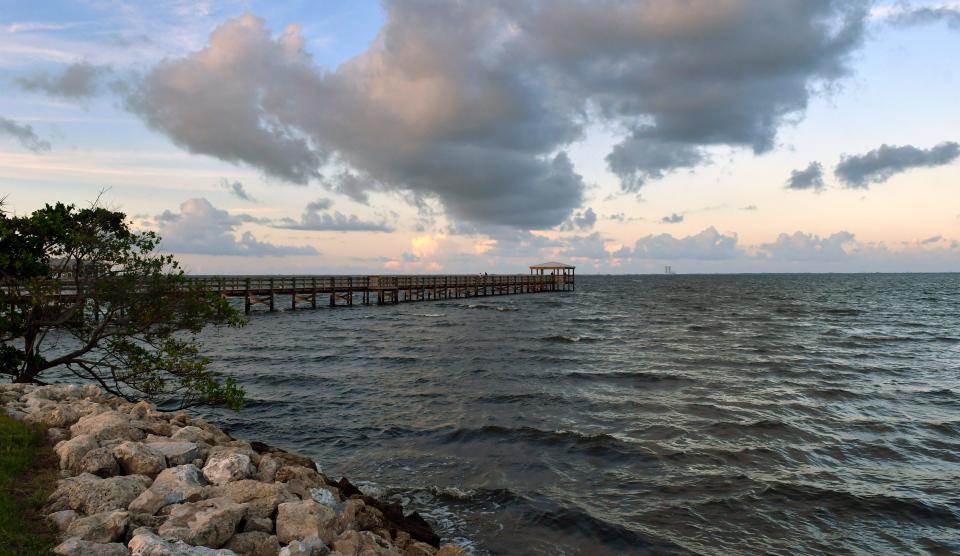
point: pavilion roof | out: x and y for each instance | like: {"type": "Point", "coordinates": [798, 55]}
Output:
{"type": "Point", "coordinates": [552, 265]}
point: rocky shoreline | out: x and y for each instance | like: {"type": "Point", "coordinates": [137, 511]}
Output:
{"type": "Point", "coordinates": [139, 481]}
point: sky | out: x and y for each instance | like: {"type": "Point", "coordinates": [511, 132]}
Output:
{"type": "Point", "coordinates": [441, 136]}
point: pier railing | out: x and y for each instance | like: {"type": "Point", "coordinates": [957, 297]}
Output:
{"type": "Point", "coordinates": [345, 290]}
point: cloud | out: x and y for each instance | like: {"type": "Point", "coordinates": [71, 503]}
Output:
{"type": "Point", "coordinates": [810, 178]}
{"type": "Point", "coordinates": [801, 246]}
{"type": "Point", "coordinates": [481, 138]}
{"type": "Point", "coordinates": [932, 239]}
{"type": "Point", "coordinates": [24, 134]}
{"type": "Point", "coordinates": [591, 246]}
{"type": "Point", "coordinates": [237, 190]}
{"type": "Point", "coordinates": [879, 165]}
{"type": "Point", "coordinates": [77, 81]}
{"type": "Point", "coordinates": [474, 103]}
{"type": "Point", "coordinates": [315, 219]}
{"type": "Point", "coordinates": [681, 76]}
{"type": "Point", "coordinates": [749, 208]}
{"type": "Point", "coordinates": [580, 220]}
{"type": "Point", "coordinates": [706, 245]}
{"type": "Point", "coordinates": [201, 228]}
{"type": "Point", "coordinates": [672, 219]}
{"type": "Point", "coordinates": [904, 15]}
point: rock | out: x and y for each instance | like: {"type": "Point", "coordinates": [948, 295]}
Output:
{"type": "Point", "coordinates": [310, 546]}
{"type": "Point", "coordinates": [100, 462]}
{"type": "Point", "coordinates": [103, 527]}
{"type": "Point", "coordinates": [264, 524]}
{"type": "Point", "coordinates": [60, 416]}
{"type": "Point", "coordinates": [137, 458]}
{"type": "Point", "coordinates": [62, 519]}
{"type": "Point", "coordinates": [144, 522]}
{"type": "Point", "coordinates": [417, 548]}
{"type": "Point", "coordinates": [183, 483]}
{"type": "Point", "coordinates": [149, 544]}
{"type": "Point", "coordinates": [140, 410]}
{"type": "Point", "coordinates": [192, 434]}
{"type": "Point", "coordinates": [72, 451]}
{"type": "Point", "coordinates": [55, 435]}
{"type": "Point", "coordinates": [205, 523]}
{"type": "Point", "coordinates": [224, 468]}
{"type": "Point", "coordinates": [235, 447]}
{"type": "Point", "coordinates": [90, 494]}
{"type": "Point", "coordinates": [363, 543]}
{"type": "Point", "coordinates": [78, 547]}
{"type": "Point", "coordinates": [299, 520]}
{"type": "Point", "coordinates": [451, 550]}
{"type": "Point", "coordinates": [300, 480]}
{"type": "Point", "coordinates": [267, 470]}
{"type": "Point", "coordinates": [109, 425]}
{"type": "Point", "coordinates": [254, 544]}
{"type": "Point", "coordinates": [177, 453]}
{"type": "Point", "coordinates": [149, 502]}
{"type": "Point", "coordinates": [261, 499]}
{"type": "Point", "coordinates": [325, 496]}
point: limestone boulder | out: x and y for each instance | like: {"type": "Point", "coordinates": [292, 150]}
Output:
{"type": "Point", "coordinates": [89, 494]}
{"type": "Point", "coordinates": [57, 415]}
{"type": "Point", "coordinates": [176, 453]}
{"type": "Point", "coordinates": [451, 550]}
{"type": "Point", "coordinates": [62, 519]}
{"type": "Point", "coordinates": [226, 467]}
{"type": "Point", "coordinates": [103, 527]}
{"type": "Point", "coordinates": [137, 458]}
{"type": "Point", "coordinates": [261, 499]}
{"type": "Point", "coordinates": [71, 451]}
{"type": "Point", "coordinates": [205, 523]}
{"type": "Point", "coordinates": [254, 544]}
{"type": "Point", "coordinates": [363, 543]}
{"type": "Point", "coordinates": [310, 546]}
{"type": "Point", "coordinates": [100, 462]}
{"type": "Point", "coordinates": [300, 480]}
{"type": "Point", "coordinates": [263, 524]}
{"type": "Point", "coordinates": [179, 484]}
{"type": "Point", "coordinates": [150, 544]}
{"type": "Point", "coordinates": [79, 547]}
{"type": "Point", "coordinates": [56, 435]}
{"type": "Point", "coordinates": [417, 548]}
{"type": "Point", "coordinates": [299, 520]}
{"type": "Point", "coordinates": [109, 425]}
{"type": "Point", "coordinates": [193, 434]}
{"type": "Point", "coordinates": [235, 447]}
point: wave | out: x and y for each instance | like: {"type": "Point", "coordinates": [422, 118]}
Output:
{"type": "Point", "coordinates": [591, 443]}
{"type": "Point", "coordinates": [633, 376]}
{"type": "Point", "coordinates": [568, 339]}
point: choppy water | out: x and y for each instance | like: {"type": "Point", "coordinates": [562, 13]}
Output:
{"type": "Point", "coordinates": [776, 414]}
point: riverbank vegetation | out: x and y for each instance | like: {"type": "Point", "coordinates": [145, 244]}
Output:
{"type": "Point", "coordinates": [81, 290]}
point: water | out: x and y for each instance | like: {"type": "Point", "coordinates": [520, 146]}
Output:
{"type": "Point", "coordinates": [798, 414]}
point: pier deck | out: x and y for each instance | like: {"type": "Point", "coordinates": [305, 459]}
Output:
{"type": "Point", "coordinates": [309, 291]}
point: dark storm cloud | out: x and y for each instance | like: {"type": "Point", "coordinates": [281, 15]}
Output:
{"type": "Point", "coordinates": [810, 178]}
{"type": "Point", "coordinates": [672, 219]}
{"type": "Point", "coordinates": [24, 134]}
{"type": "Point", "coordinates": [474, 103]}
{"type": "Point", "coordinates": [237, 190]}
{"type": "Point", "coordinates": [316, 217]}
{"type": "Point", "coordinates": [879, 165]}
{"type": "Point", "coordinates": [76, 81]}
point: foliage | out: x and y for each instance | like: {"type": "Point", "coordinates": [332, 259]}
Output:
{"type": "Point", "coordinates": [84, 291]}
{"type": "Point", "coordinates": [23, 449]}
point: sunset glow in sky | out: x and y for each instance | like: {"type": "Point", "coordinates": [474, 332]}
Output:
{"type": "Point", "coordinates": [441, 136]}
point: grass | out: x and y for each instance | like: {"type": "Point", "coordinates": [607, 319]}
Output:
{"type": "Point", "coordinates": [28, 473]}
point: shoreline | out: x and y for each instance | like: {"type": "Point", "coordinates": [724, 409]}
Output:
{"type": "Point", "coordinates": [138, 481]}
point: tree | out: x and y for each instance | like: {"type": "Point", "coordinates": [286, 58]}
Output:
{"type": "Point", "coordinates": [81, 290]}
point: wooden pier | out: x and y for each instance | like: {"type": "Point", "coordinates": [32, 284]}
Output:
{"type": "Point", "coordinates": [335, 291]}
